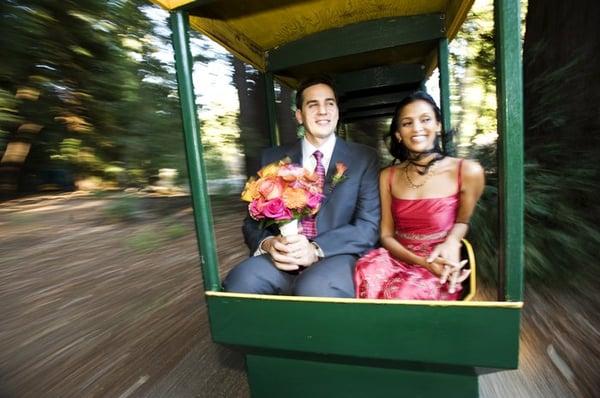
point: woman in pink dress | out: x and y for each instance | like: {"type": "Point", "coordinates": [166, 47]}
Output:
{"type": "Point", "coordinates": [426, 202]}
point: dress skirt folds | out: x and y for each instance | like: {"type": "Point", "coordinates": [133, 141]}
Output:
{"type": "Point", "coordinates": [420, 224]}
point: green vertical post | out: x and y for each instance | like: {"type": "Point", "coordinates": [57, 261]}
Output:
{"type": "Point", "coordinates": [509, 91]}
{"type": "Point", "coordinates": [271, 112]}
{"type": "Point", "coordinates": [444, 78]}
{"type": "Point", "coordinates": [193, 149]}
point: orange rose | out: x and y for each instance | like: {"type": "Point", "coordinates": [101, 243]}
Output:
{"type": "Point", "coordinates": [339, 176]}
{"type": "Point", "coordinates": [294, 198]}
{"type": "Point", "coordinates": [340, 168]}
{"type": "Point", "coordinates": [250, 190]}
{"type": "Point", "coordinates": [270, 187]}
{"type": "Point", "coordinates": [269, 170]}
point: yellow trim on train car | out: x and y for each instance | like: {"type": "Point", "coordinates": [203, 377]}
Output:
{"type": "Point", "coordinates": [432, 303]}
{"type": "Point", "coordinates": [473, 267]}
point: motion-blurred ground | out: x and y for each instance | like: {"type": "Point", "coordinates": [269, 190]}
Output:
{"type": "Point", "coordinates": [101, 296]}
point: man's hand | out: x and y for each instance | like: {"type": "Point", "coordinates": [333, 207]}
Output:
{"type": "Point", "coordinates": [290, 252]}
{"type": "Point", "coordinates": [277, 248]}
{"type": "Point", "coordinates": [299, 248]}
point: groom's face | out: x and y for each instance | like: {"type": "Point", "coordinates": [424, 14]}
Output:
{"type": "Point", "coordinates": [319, 113]}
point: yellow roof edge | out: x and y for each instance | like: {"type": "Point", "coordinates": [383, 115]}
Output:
{"type": "Point", "coordinates": [254, 54]}
{"type": "Point", "coordinates": [171, 4]}
{"type": "Point", "coordinates": [458, 15]}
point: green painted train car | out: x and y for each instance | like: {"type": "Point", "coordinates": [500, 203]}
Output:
{"type": "Point", "coordinates": [319, 347]}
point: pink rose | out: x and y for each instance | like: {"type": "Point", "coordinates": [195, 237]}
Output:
{"type": "Point", "coordinates": [255, 208]}
{"type": "Point", "coordinates": [270, 187]}
{"type": "Point", "coordinates": [276, 210]}
{"type": "Point", "coordinates": [314, 200]}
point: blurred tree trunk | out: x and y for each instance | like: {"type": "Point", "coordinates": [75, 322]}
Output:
{"type": "Point", "coordinates": [562, 73]}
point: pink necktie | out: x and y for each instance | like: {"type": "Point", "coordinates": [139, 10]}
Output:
{"type": "Point", "coordinates": [309, 224]}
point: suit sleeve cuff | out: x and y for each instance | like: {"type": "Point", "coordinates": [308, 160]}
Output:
{"type": "Point", "coordinates": [260, 250]}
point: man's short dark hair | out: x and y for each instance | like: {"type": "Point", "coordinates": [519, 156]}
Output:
{"type": "Point", "coordinates": [312, 81]}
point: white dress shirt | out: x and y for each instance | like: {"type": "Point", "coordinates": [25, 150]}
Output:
{"type": "Point", "coordinates": [308, 160]}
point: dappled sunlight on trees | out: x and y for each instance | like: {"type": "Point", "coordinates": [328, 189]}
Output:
{"type": "Point", "coordinates": [90, 93]}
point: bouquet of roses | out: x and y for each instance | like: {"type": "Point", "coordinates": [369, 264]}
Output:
{"type": "Point", "coordinates": [282, 194]}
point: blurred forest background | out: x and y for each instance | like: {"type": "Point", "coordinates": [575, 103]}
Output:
{"type": "Point", "coordinates": [88, 101]}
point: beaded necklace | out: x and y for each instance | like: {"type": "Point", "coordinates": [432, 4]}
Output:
{"type": "Point", "coordinates": [430, 169]}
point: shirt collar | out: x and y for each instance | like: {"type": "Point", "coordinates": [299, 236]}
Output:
{"type": "Point", "coordinates": [326, 149]}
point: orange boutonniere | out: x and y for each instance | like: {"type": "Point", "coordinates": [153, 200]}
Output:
{"type": "Point", "coordinates": [339, 176]}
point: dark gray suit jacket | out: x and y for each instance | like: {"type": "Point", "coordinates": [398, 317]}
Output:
{"type": "Point", "coordinates": [348, 221]}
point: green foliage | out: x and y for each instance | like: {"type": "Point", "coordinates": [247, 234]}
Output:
{"type": "Point", "coordinates": [127, 209]}
{"type": "Point", "coordinates": [147, 239]}
{"type": "Point", "coordinates": [473, 77]}
{"type": "Point", "coordinates": [144, 241]}
{"type": "Point", "coordinates": [562, 150]}
{"type": "Point", "coordinates": [94, 75]}
{"type": "Point", "coordinates": [123, 208]}
{"type": "Point", "coordinates": [176, 231]}
{"type": "Point", "coordinates": [561, 237]}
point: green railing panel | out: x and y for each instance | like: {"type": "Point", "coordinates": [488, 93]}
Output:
{"type": "Point", "coordinates": [509, 88]}
{"type": "Point", "coordinates": [194, 154]}
{"type": "Point", "coordinates": [466, 335]}
{"type": "Point", "coordinates": [271, 376]}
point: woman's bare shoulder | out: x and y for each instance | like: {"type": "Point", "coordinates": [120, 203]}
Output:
{"type": "Point", "coordinates": [387, 170]}
{"type": "Point", "coordinates": [471, 168]}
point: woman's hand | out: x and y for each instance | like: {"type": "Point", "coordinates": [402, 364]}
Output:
{"type": "Point", "coordinates": [436, 266]}
{"type": "Point", "coordinates": [454, 275]}
{"type": "Point", "coordinates": [448, 250]}
{"type": "Point", "coordinates": [447, 255]}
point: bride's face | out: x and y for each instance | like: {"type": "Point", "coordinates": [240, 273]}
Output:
{"type": "Point", "coordinates": [418, 126]}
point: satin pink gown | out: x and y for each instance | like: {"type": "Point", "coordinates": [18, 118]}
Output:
{"type": "Point", "coordinates": [420, 225]}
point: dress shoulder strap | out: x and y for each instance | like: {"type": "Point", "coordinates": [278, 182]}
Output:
{"type": "Point", "coordinates": [391, 176]}
{"type": "Point", "coordinates": [459, 177]}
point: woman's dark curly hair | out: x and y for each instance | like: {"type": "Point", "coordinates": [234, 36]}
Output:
{"type": "Point", "coordinates": [397, 148]}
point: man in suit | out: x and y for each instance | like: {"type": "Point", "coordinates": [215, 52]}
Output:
{"type": "Point", "coordinates": [319, 261]}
